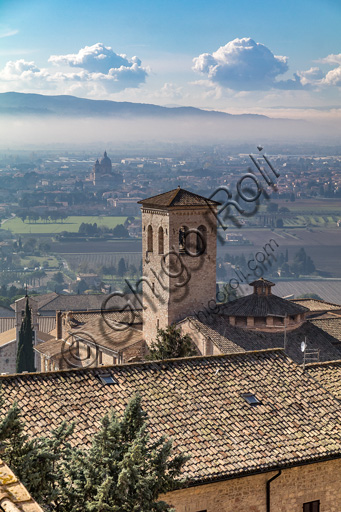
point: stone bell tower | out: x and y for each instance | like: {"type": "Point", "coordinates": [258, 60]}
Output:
{"type": "Point", "coordinates": [179, 248]}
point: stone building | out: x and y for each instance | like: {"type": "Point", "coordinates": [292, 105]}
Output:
{"type": "Point", "coordinates": [179, 246]}
{"type": "Point", "coordinates": [262, 434]}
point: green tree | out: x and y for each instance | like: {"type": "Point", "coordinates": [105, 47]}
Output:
{"type": "Point", "coordinates": [121, 269]}
{"type": "Point", "coordinates": [170, 343]}
{"type": "Point", "coordinates": [132, 472]}
{"type": "Point", "coordinates": [120, 231]}
{"type": "Point", "coordinates": [25, 353]}
{"type": "Point", "coordinates": [58, 277]}
{"type": "Point", "coordinates": [123, 470]}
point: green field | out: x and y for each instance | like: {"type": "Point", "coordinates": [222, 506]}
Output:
{"type": "Point", "coordinates": [71, 224]}
{"type": "Point", "coordinates": [25, 262]}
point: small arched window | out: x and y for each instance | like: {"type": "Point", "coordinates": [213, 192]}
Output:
{"type": "Point", "coordinates": [201, 240]}
{"type": "Point", "coordinates": [182, 238]}
{"type": "Point", "coordinates": [150, 239]}
{"type": "Point", "coordinates": [161, 241]}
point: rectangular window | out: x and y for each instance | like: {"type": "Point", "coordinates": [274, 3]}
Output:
{"type": "Point", "coordinates": [311, 506]}
{"type": "Point", "coordinates": [88, 352]}
{"type": "Point", "coordinates": [100, 358]}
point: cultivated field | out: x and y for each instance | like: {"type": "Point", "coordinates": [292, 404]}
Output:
{"type": "Point", "coordinates": [71, 224]}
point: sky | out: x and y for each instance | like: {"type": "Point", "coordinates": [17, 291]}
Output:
{"type": "Point", "coordinates": [279, 58]}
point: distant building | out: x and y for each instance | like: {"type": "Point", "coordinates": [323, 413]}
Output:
{"type": "Point", "coordinates": [102, 175]}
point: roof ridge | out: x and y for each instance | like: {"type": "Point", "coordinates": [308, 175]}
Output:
{"type": "Point", "coordinates": [323, 363]}
{"type": "Point", "coordinates": [146, 363]}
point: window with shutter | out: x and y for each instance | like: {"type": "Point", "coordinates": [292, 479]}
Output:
{"type": "Point", "coordinates": [311, 506]}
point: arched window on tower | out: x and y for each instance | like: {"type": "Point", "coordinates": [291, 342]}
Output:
{"type": "Point", "coordinates": [161, 240]}
{"type": "Point", "coordinates": [201, 240]}
{"type": "Point", "coordinates": [182, 238]}
{"type": "Point", "coordinates": [150, 239]}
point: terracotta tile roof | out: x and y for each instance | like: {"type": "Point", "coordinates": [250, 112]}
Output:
{"type": "Point", "coordinates": [50, 348]}
{"type": "Point", "coordinates": [261, 282]}
{"type": "Point", "coordinates": [248, 339]}
{"type": "Point", "coordinates": [262, 305]}
{"type": "Point", "coordinates": [7, 323]}
{"type": "Point", "coordinates": [76, 318]}
{"type": "Point", "coordinates": [328, 374]}
{"type": "Point", "coordinates": [55, 302]}
{"type": "Point", "coordinates": [13, 495]}
{"type": "Point", "coordinates": [330, 325]}
{"type": "Point", "coordinates": [225, 345]}
{"type": "Point", "coordinates": [316, 305]}
{"type": "Point", "coordinates": [43, 336]}
{"type": "Point", "coordinates": [197, 402]}
{"type": "Point", "coordinates": [46, 323]}
{"type": "Point", "coordinates": [177, 197]}
{"type": "Point", "coordinates": [8, 336]}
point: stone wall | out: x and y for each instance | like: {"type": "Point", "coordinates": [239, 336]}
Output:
{"type": "Point", "coordinates": [293, 488]}
{"type": "Point", "coordinates": [8, 356]}
{"type": "Point", "coordinates": [176, 284]}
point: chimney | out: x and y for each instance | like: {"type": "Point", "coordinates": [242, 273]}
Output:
{"type": "Point", "coordinates": [59, 325]}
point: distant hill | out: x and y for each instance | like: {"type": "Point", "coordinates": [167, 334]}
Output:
{"type": "Point", "coordinates": [14, 103]}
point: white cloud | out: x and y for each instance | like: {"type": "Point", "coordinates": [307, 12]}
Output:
{"type": "Point", "coordinates": [333, 77]}
{"type": "Point", "coordinates": [21, 71]}
{"type": "Point", "coordinates": [95, 58]}
{"type": "Point", "coordinates": [331, 59]}
{"type": "Point", "coordinates": [244, 65]}
{"type": "Point", "coordinates": [102, 71]}
{"type": "Point", "coordinates": [311, 76]}
{"type": "Point", "coordinates": [8, 33]}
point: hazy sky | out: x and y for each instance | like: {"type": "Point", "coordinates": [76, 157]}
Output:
{"type": "Point", "coordinates": [279, 57]}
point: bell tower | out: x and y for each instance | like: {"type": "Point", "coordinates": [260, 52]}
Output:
{"type": "Point", "coordinates": [179, 248]}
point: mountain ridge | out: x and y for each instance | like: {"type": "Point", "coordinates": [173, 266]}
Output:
{"type": "Point", "coordinates": [14, 103]}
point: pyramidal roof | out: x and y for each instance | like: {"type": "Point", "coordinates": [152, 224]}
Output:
{"type": "Point", "coordinates": [177, 197]}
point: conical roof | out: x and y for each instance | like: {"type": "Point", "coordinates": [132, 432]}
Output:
{"type": "Point", "coordinates": [177, 197]}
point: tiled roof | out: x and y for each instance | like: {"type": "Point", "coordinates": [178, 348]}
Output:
{"type": "Point", "coordinates": [6, 312]}
{"type": "Point", "coordinates": [50, 348]}
{"type": "Point", "coordinates": [75, 318]}
{"type": "Point", "coordinates": [197, 402]}
{"type": "Point", "coordinates": [225, 345]}
{"type": "Point", "coordinates": [331, 325]}
{"type": "Point", "coordinates": [262, 305]}
{"type": "Point", "coordinates": [13, 495]}
{"type": "Point", "coordinates": [316, 305]}
{"type": "Point", "coordinates": [107, 336]}
{"type": "Point", "coordinates": [8, 336]}
{"type": "Point", "coordinates": [7, 323]}
{"type": "Point", "coordinates": [328, 374]}
{"type": "Point", "coordinates": [44, 336]}
{"type": "Point", "coordinates": [177, 197]}
{"type": "Point", "coordinates": [46, 323]}
{"type": "Point", "coordinates": [261, 282]}
{"type": "Point", "coordinates": [95, 331]}
{"type": "Point", "coordinates": [252, 339]}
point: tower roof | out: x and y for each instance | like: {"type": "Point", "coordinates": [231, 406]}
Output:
{"type": "Point", "coordinates": [262, 282]}
{"type": "Point", "coordinates": [177, 197]}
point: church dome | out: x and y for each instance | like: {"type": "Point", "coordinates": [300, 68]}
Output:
{"type": "Point", "coordinates": [106, 165]}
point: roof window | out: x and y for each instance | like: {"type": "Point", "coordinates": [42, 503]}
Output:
{"type": "Point", "coordinates": [107, 379]}
{"type": "Point", "coordinates": [251, 399]}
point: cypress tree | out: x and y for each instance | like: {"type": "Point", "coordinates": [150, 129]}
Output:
{"type": "Point", "coordinates": [25, 353]}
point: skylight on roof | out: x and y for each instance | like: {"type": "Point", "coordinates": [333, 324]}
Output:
{"type": "Point", "coordinates": [251, 399]}
{"type": "Point", "coordinates": [107, 379]}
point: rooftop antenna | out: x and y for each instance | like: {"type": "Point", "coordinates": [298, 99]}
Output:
{"type": "Point", "coordinates": [311, 355]}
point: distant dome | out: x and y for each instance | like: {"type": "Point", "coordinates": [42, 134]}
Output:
{"type": "Point", "coordinates": [106, 166]}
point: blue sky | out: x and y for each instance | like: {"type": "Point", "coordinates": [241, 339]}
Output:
{"type": "Point", "coordinates": [281, 58]}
